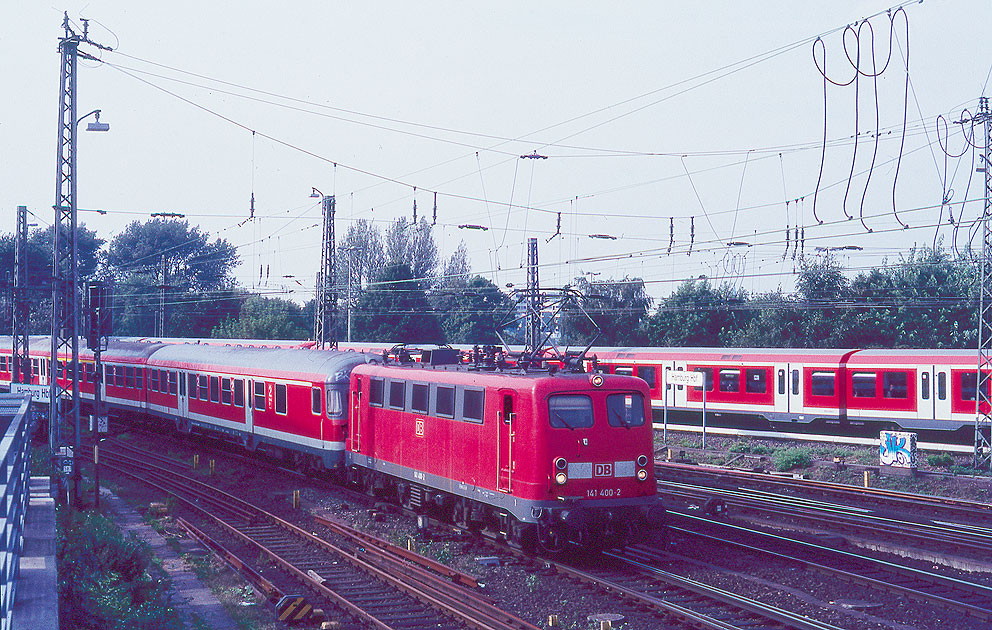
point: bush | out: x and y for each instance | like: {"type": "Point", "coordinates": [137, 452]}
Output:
{"type": "Point", "coordinates": [790, 458]}
{"type": "Point", "coordinates": [940, 460]}
{"type": "Point", "coordinates": [103, 578]}
{"type": "Point", "coordinates": [750, 449]}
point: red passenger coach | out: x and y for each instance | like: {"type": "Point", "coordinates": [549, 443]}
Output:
{"type": "Point", "coordinates": [547, 459]}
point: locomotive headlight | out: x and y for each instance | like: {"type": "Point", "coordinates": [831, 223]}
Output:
{"type": "Point", "coordinates": [642, 461]}
{"type": "Point", "coordinates": [642, 474]}
{"type": "Point", "coordinates": [596, 380]}
{"type": "Point", "coordinates": [561, 464]}
{"type": "Point", "coordinates": [561, 478]}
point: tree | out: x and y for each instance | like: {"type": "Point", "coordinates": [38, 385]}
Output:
{"type": "Point", "coordinates": [413, 244]}
{"type": "Point", "coordinates": [362, 253]}
{"type": "Point", "coordinates": [618, 307]}
{"type": "Point", "coordinates": [265, 318]}
{"type": "Point", "coordinates": [696, 314]}
{"type": "Point", "coordinates": [395, 309]}
{"type": "Point", "coordinates": [472, 311]}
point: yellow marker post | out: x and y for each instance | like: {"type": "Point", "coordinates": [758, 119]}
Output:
{"type": "Point", "coordinates": [866, 478]}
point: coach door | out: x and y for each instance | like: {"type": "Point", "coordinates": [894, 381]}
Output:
{"type": "Point", "coordinates": [795, 385]}
{"type": "Point", "coordinates": [183, 396]}
{"type": "Point", "coordinates": [505, 419]}
{"type": "Point", "coordinates": [940, 393]}
{"type": "Point", "coordinates": [781, 385]}
{"type": "Point", "coordinates": [355, 417]}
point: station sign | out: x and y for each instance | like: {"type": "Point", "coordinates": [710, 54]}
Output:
{"type": "Point", "coordinates": [692, 379]}
{"type": "Point", "coordinates": [39, 393]}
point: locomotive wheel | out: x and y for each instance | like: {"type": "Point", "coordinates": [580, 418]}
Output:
{"type": "Point", "coordinates": [551, 540]}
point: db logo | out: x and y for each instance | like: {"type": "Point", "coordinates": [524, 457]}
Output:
{"type": "Point", "coordinates": [419, 428]}
{"type": "Point", "coordinates": [602, 470]}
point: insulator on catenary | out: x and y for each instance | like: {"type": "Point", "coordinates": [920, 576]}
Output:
{"type": "Point", "coordinates": [434, 222]}
{"type": "Point", "coordinates": [266, 273]}
{"type": "Point", "coordinates": [788, 243]}
{"type": "Point", "coordinates": [692, 234]}
{"type": "Point", "coordinates": [671, 233]}
{"type": "Point", "coordinates": [415, 205]}
{"type": "Point", "coordinates": [802, 245]}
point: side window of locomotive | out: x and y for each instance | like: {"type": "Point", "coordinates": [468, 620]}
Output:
{"type": "Point", "coordinates": [754, 381]}
{"type": "Point", "coordinates": [822, 384]}
{"type": "Point", "coordinates": [473, 403]}
{"type": "Point", "coordinates": [225, 391]}
{"type": "Point", "coordinates": [214, 389]}
{"type": "Point", "coordinates": [625, 410]}
{"type": "Point", "coordinates": [397, 394]}
{"type": "Point", "coordinates": [260, 395]}
{"type": "Point", "coordinates": [730, 380]}
{"type": "Point", "coordinates": [570, 411]}
{"type": "Point", "coordinates": [444, 402]}
{"type": "Point", "coordinates": [376, 392]}
{"type": "Point", "coordinates": [419, 398]}
{"type": "Point", "coordinates": [648, 374]}
{"type": "Point", "coordinates": [204, 387]}
{"type": "Point", "coordinates": [942, 385]}
{"type": "Point", "coordinates": [239, 392]}
{"type": "Point", "coordinates": [281, 399]}
{"type": "Point", "coordinates": [624, 370]}
{"type": "Point", "coordinates": [925, 385]}
{"type": "Point", "coordinates": [863, 385]}
{"type": "Point", "coordinates": [315, 401]}
{"type": "Point", "coordinates": [895, 384]}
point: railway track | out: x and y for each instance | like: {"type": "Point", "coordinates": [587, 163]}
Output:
{"type": "Point", "coordinates": [373, 584]}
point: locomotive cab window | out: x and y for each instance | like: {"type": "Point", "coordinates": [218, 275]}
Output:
{"type": "Point", "coordinates": [419, 398]}
{"type": "Point", "coordinates": [239, 392]}
{"type": "Point", "coordinates": [730, 380]}
{"type": "Point", "coordinates": [648, 374]}
{"type": "Point", "coordinates": [822, 384]}
{"type": "Point", "coordinates": [397, 394]}
{"type": "Point", "coordinates": [376, 392]}
{"type": "Point", "coordinates": [315, 401]}
{"type": "Point", "coordinates": [281, 399]}
{"type": "Point", "coordinates": [570, 411]}
{"type": "Point", "coordinates": [473, 403]}
{"type": "Point", "coordinates": [444, 401]}
{"type": "Point", "coordinates": [863, 384]}
{"type": "Point", "coordinates": [260, 395]}
{"type": "Point", "coordinates": [625, 410]}
{"type": "Point", "coordinates": [895, 385]}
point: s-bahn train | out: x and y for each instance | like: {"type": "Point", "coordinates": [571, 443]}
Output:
{"type": "Point", "coordinates": [548, 458]}
{"type": "Point", "coordinates": [848, 391]}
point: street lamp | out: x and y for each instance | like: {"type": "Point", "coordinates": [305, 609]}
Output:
{"type": "Point", "coordinates": [95, 125]}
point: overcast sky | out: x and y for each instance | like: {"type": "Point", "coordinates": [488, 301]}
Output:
{"type": "Point", "coordinates": [706, 117]}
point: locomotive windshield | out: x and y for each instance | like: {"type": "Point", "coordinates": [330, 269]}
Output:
{"type": "Point", "coordinates": [625, 410]}
{"type": "Point", "coordinates": [570, 411]}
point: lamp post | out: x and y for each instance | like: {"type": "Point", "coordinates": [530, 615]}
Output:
{"type": "Point", "coordinates": [349, 250]}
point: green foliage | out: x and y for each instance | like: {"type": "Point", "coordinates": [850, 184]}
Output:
{"type": "Point", "coordinates": [696, 314]}
{"type": "Point", "coordinates": [791, 458]}
{"type": "Point", "coordinates": [104, 580]}
{"type": "Point", "coordinates": [969, 471]}
{"type": "Point", "coordinates": [472, 310]}
{"type": "Point", "coordinates": [265, 318]}
{"type": "Point", "coordinates": [395, 309]}
{"type": "Point", "coordinates": [618, 308]}
{"type": "Point", "coordinates": [940, 460]}
{"type": "Point", "coordinates": [750, 449]}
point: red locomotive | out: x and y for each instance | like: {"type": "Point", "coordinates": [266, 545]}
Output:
{"type": "Point", "coordinates": [549, 458]}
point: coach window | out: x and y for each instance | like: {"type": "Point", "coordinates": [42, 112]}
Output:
{"type": "Point", "coordinates": [139, 381]}
{"type": "Point", "coordinates": [624, 370]}
{"type": "Point", "coordinates": [204, 387]}
{"type": "Point", "coordinates": [707, 378]}
{"type": "Point", "coordinates": [397, 394]}
{"type": "Point", "coordinates": [473, 402]}
{"type": "Point", "coordinates": [260, 395]}
{"type": "Point", "coordinates": [795, 382]}
{"type": "Point", "coordinates": [172, 382]}
{"type": "Point", "coordinates": [942, 385]}
{"type": "Point", "coordinates": [925, 385]}
{"type": "Point", "coordinates": [239, 392]}
{"type": "Point", "coordinates": [182, 384]}
{"type": "Point", "coordinates": [649, 375]}
{"type": "Point", "coordinates": [315, 401]}
{"type": "Point", "coordinates": [419, 398]}
{"type": "Point", "coordinates": [570, 411]}
{"type": "Point", "coordinates": [281, 399]}
{"type": "Point", "coordinates": [781, 381]}
{"type": "Point", "coordinates": [225, 391]}
{"type": "Point", "coordinates": [730, 380]}
{"type": "Point", "coordinates": [625, 410]}
{"type": "Point", "coordinates": [35, 367]}
{"type": "Point", "coordinates": [895, 385]}
{"type": "Point", "coordinates": [754, 381]}
{"type": "Point", "coordinates": [154, 379]}
{"type": "Point", "coordinates": [129, 377]}
{"type": "Point", "coordinates": [214, 389]}
{"type": "Point", "coordinates": [444, 402]}
{"type": "Point", "coordinates": [863, 385]}
{"type": "Point", "coordinates": [336, 396]}
{"type": "Point", "coordinates": [191, 380]}
{"type": "Point", "coordinates": [376, 392]}
{"type": "Point", "coordinates": [679, 387]}
{"type": "Point", "coordinates": [822, 384]}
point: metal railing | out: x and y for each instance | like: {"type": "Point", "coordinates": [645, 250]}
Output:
{"type": "Point", "coordinates": [15, 460]}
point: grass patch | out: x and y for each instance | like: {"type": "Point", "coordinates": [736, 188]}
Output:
{"type": "Point", "coordinates": [940, 460]}
{"type": "Point", "coordinates": [791, 458]}
{"type": "Point", "coordinates": [750, 449]}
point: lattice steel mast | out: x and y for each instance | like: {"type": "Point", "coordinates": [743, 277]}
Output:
{"type": "Point", "coordinates": [325, 305]}
{"type": "Point", "coordinates": [983, 416]}
{"type": "Point", "coordinates": [21, 371]}
{"type": "Point", "coordinates": [533, 338]}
